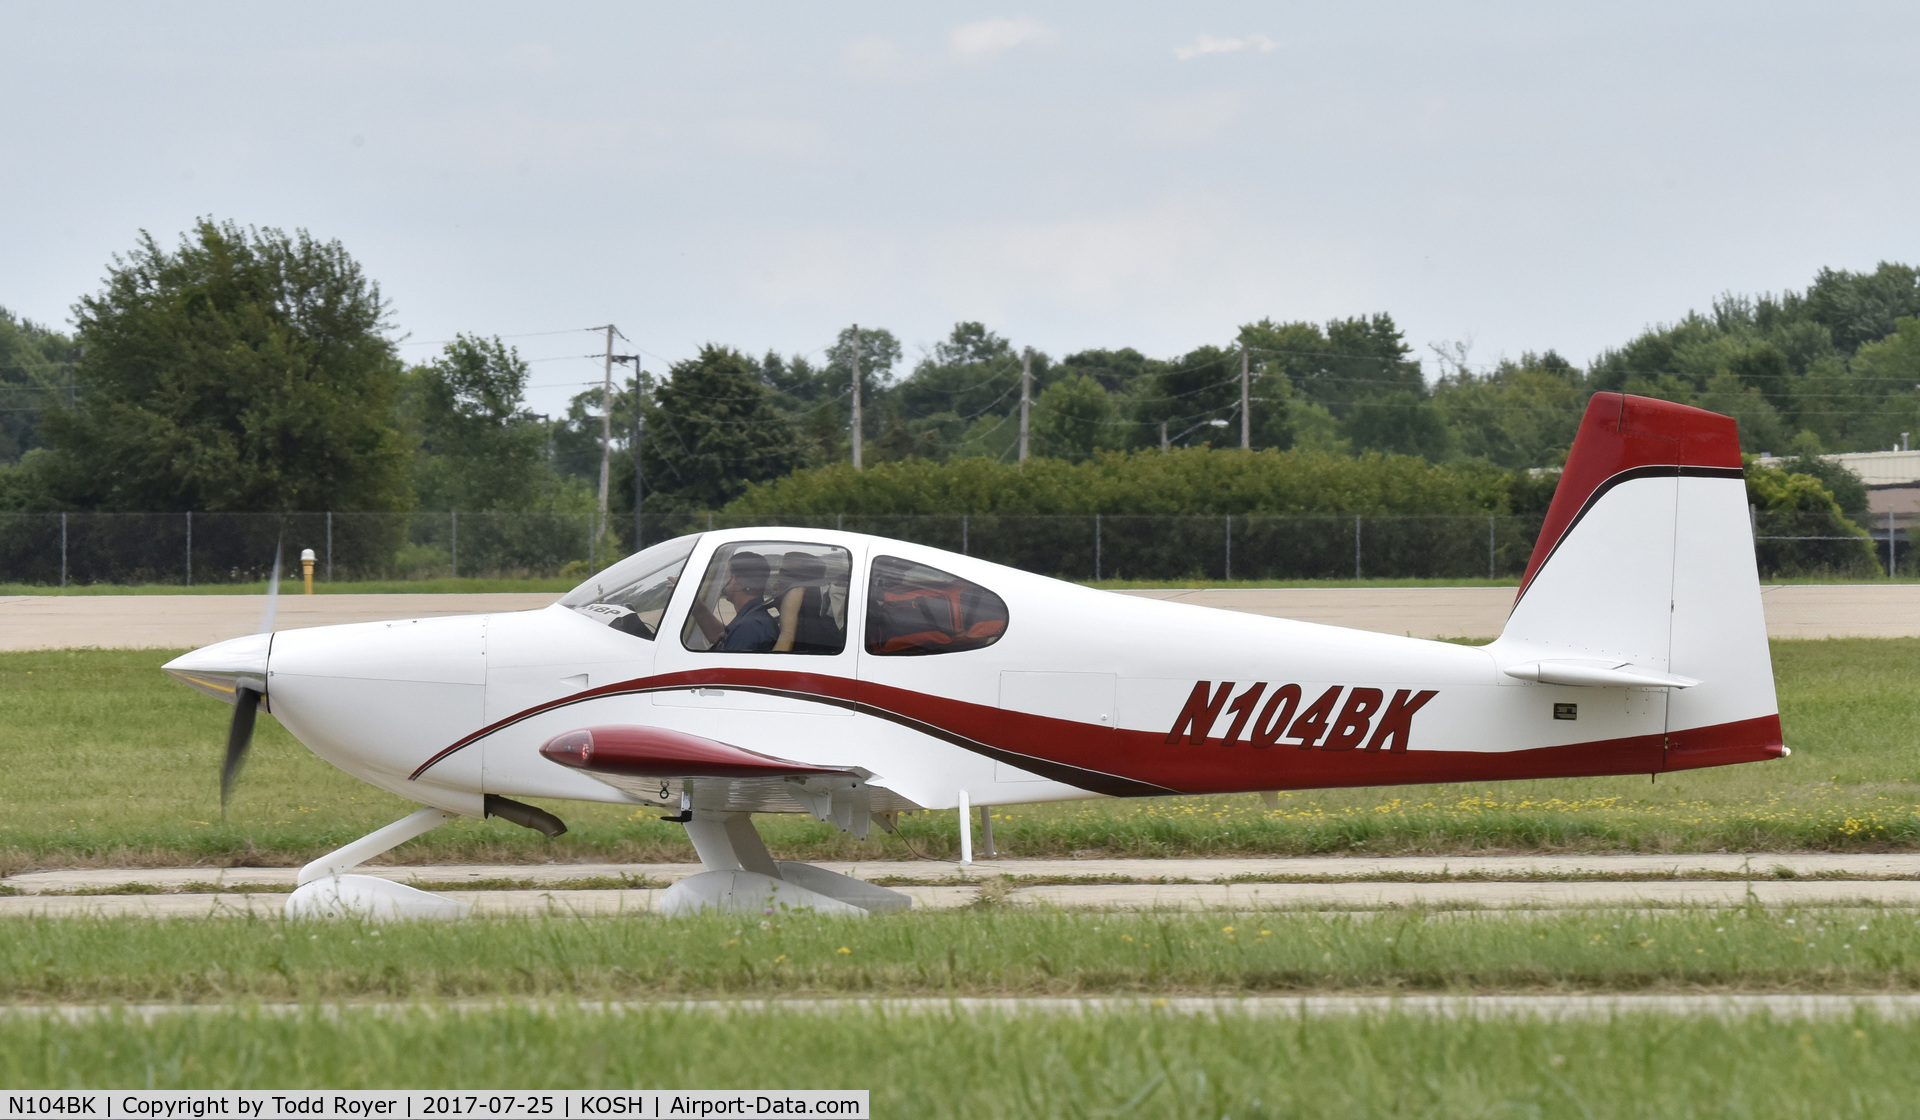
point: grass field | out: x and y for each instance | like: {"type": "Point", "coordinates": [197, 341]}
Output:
{"type": "Point", "coordinates": [1137, 1064]}
{"type": "Point", "coordinates": [109, 762]}
{"type": "Point", "coordinates": [985, 951]}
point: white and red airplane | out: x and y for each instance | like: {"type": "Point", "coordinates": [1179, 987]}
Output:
{"type": "Point", "coordinates": [779, 670]}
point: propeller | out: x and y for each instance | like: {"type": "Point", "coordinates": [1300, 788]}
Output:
{"type": "Point", "coordinates": [246, 701]}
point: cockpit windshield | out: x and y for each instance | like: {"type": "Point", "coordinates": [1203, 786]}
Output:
{"type": "Point", "coordinates": [632, 595]}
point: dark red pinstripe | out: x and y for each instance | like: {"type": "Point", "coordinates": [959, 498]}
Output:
{"type": "Point", "coordinates": [1140, 763]}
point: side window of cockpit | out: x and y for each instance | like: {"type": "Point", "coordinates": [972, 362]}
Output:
{"type": "Point", "coordinates": [771, 597]}
{"type": "Point", "coordinates": [916, 609]}
{"type": "Point", "coordinates": [632, 595]}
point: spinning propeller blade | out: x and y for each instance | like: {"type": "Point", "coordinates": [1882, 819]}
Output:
{"type": "Point", "coordinates": [246, 702]}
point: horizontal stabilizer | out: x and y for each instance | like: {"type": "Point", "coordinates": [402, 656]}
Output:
{"type": "Point", "coordinates": [656, 752]}
{"type": "Point", "coordinates": [1597, 674]}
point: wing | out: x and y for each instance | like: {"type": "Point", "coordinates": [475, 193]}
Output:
{"type": "Point", "coordinates": [676, 769]}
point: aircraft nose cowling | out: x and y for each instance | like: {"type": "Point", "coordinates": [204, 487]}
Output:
{"type": "Point", "coordinates": [378, 699]}
{"type": "Point", "coordinates": [221, 668]}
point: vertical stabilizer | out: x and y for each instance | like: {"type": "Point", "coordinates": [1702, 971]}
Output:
{"type": "Point", "coordinates": [1646, 564]}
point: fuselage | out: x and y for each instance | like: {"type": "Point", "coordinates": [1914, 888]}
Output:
{"type": "Point", "coordinates": [1067, 692]}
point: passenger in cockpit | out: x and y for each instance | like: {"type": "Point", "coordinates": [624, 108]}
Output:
{"type": "Point", "coordinates": [753, 629]}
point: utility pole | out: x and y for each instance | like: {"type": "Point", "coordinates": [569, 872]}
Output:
{"type": "Point", "coordinates": [606, 430]}
{"type": "Point", "coordinates": [1246, 412]}
{"type": "Point", "coordinates": [1026, 397]}
{"type": "Point", "coordinates": [639, 431]}
{"type": "Point", "coordinates": [1163, 437]}
{"type": "Point", "coordinates": [856, 396]}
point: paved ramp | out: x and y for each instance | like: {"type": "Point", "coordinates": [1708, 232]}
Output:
{"type": "Point", "coordinates": [190, 621]}
{"type": "Point", "coordinates": [1793, 610]}
{"type": "Point", "coordinates": [1515, 884]}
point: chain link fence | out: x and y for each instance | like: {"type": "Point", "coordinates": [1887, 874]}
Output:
{"type": "Point", "coordinates": [56, 549]}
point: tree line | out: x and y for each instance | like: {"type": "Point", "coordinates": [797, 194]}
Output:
{"type": "Point", "coordinates": [252, 369]}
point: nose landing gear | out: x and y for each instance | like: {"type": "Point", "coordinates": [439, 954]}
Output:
{"type": "Point", "coordinates": [325, 889]}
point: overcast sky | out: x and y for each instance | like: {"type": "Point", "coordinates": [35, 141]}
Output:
{"type": "Point", "coordinates": [1521, 176]}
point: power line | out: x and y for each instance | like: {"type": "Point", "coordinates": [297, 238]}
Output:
{"type": "Point", "coordinates": [526, 334]}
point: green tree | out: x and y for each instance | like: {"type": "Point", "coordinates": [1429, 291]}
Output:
{"type": "Point", "coordinates": [245, 370]}
{"type": "Point", "coordinates": [959, 399]}
{"type": "Point", "coordinates": [1201, 386]}
{"type": "Point", "coordinates": [1074, 418]}
{"type": "Point", "coordinates": [1891, 365]}
{"type": "Point", "coordinates": [36, 365]}
{"type": "Point", "coordinates": [480, 448]}
{"type": "Point", "coordinates": [712, 429]}
{"type": "Point", "coordinates": [1848, 491]}
{"type": "Point", "coordinates": [1811, 357]}
{"type": "Point", "coordinates": [1788, 504]}
{"type": "Point", "coordinates": [1337, 365]}
{"type": "Point", "coordinates": [1117, 371]}
{"type": "Point", "coordinates": [1519, 414]}
{"type": "Point", "coordinates": [1857, 308]}
{"type": "Point", "coordinates": [809, 395]}
{"type": "Point", "coordinates": [1195, 480]}
{"type": "Point", "coordinates": [1401, 422]}
{"type": "Point", "coordinates": [878, 352]}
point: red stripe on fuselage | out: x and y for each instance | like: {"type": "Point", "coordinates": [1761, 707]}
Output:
{"type": "Point", "coordinates": [1110, 760]}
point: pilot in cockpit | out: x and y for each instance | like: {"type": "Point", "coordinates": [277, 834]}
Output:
{"type": "Point", "coordinates": [753, 629]}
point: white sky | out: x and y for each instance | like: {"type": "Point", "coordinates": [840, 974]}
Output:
{"type": "Point", "coordinates": [1522, 176]}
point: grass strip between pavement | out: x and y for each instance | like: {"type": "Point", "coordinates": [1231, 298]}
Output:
{"type": "Point", "coordinates": [1134, 1063]}
{"type": "Point", "coordinates": [986, 951]}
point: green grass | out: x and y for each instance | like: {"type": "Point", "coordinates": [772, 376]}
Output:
{"type": "Point", "coordinates": [1138, 1064]}
{"type": "Point", "coordinates": [110, 763]}
{"type": "Point", "coordinates": [989, 950]}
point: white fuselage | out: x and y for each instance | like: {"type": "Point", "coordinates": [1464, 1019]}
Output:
{"type": "Point", "coordinates": [1079, 698]}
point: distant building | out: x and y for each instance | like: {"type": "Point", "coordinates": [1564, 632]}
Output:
{"type": "Point", "coordinates": [1893, 485]}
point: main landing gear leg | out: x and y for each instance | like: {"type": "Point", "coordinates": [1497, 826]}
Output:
{"type": "Point", "coordinates": [326, 891]}
{"type": "Point", "coordinates": [740, 877]}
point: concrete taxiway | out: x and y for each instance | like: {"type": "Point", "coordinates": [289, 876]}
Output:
{"type": "Point", "coordinates": [1469, 883]}
{"type": "Point", "coordinates": [188, 621]}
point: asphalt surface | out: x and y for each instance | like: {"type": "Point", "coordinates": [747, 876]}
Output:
{"type": "Point", "coordinates": [190, 621]}
{"type": "Point", "coordinates": [1793, 611]}
{"type": "Point", "coordinates": [1473, 883]}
